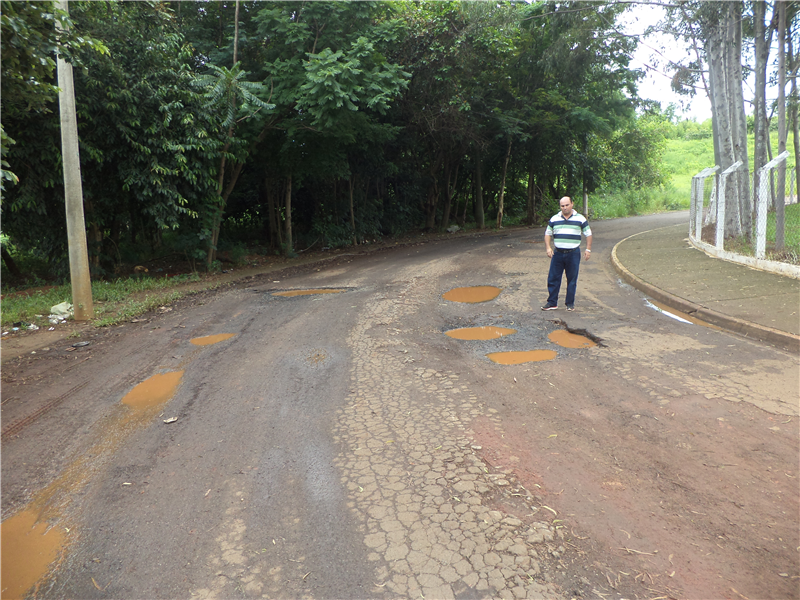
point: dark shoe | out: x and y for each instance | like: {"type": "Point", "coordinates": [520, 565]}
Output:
{"type": "Point", "coordinates": [550, 307]}
{"type": "Point", "coordinates": [570, 308]}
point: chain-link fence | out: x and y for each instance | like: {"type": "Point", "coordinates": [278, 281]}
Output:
{"type": "Point", "coordinates": [771, 190]}
{"type": "Point", "coordinates": [700, 201]}
{"type": "Point", "coordinates": [715, 210]}
{"type": "Point", "coordinates": [791, 213]}
{"type": "Point", "coordinates": [723, 195]}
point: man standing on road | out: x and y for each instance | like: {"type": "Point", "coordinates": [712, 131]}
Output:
{"type": "Point", "coordinates": [565, 228]}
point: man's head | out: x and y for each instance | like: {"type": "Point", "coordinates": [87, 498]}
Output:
{"type": "Point", "coordinates": [566, 206]}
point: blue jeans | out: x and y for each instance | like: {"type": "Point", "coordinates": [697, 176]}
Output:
{"type": "Point", "coordinates": [562, 262]}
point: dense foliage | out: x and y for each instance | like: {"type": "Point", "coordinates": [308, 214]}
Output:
{"type": "Point", "coordinates": [324, 123]}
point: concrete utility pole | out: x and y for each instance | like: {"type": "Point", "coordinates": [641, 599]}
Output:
{"type": "Point", "coordinates": [73, 191]}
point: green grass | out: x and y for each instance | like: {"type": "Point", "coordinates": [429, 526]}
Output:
{"type": "Point", "coordinates": [114, 301]}
{"type": "Point", "coordinates": [636, 202]}
{"type": "Point", "coordinates": [684, 159]}
{"type": "Point", "coordinates": [791, 250]}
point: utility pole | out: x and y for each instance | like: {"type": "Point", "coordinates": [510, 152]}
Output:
{"type": "Point", "coordinates": [73, 190]}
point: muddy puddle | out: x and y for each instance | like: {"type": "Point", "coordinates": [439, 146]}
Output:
{"type": "Point", "coordinates": [472, 294]}
{"type": "Point", "coordinates": [30, 546]}
{"type": "Point", "coordinates": [28, 550]}
{"type": "Point", "coordinates": [211, 339]}
{"type": "Point", "coordinates": [293, 293]}
{"type": "Point", "coordinates": [565, 339]}
{"type": "Point", "coordinates": [488, 332]}
{"type": "Point", "coordinates": [153, 392]}
{"type": "Point", "coordinates": [520, 357]}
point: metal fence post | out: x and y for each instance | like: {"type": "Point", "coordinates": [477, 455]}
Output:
{"type": "Point", "coordinates": [723, 181]}
{"type": "Point", "coordinates": [696, 214]}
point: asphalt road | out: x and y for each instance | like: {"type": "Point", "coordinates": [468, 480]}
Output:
{"type": "Point", "coordinates": [339, 445]}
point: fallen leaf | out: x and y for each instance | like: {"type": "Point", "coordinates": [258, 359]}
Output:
{"type": "Point", "coordinates": [171, 420]}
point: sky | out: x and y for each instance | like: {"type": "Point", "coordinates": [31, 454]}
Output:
{"type": "Point", "coordinates": [656, 85]}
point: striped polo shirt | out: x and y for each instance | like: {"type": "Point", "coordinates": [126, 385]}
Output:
{"type": "Point", "coordinates": [566, 233]}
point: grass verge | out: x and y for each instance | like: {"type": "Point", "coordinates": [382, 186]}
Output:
{"type": "Point", "coordinates": [114, 301]}
{"type": "Point", "coordinates": [626, 203]}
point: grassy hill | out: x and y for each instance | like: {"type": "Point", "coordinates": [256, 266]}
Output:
{"type": "Point", "coordinates": [685, 158]}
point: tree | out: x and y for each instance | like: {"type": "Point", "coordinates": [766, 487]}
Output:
{"type": "Point", "coordinates": [30, 41]}
{"type": "Point", "coordinates": [715, 30]}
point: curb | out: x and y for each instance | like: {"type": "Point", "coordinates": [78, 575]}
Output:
{"type": "Point", "coordinates": [781, 339]}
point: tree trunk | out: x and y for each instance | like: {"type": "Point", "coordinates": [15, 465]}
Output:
{"type": "Point", "coordinates": [763, 38]}
{"type": "Point", "coordinates": [288, 207]}
{"type": "Point", "coordinates": [448, 193]}
{"type": "Point", "coordinates": [780, 207]}
{"type": "Point", "coordinates": [10, 264]}
{"type": "Point", "coordinates": [743, 219]}
{"type": "Point", "coordinates": [794, 62]}
{"type": "Point", "coordinates": [724, 51]}
{"type": "Point", "coordinates": [352, 210]}
{"type": "Point", "coordinates": [530, 214]}
{"type": "Point", "coordinates": [432, 195]}
{"type": "Point", "coordinates": [503, 188]}
{"type": "Point", "coordinates": [236, 33]}
{"type": "Point", "coordinates": [272, 215]}
{"type": "Point", "coordinates": [479, 218]}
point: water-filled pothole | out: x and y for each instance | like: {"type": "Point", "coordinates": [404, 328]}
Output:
{"type": "Point", "coordinates": [489, 332]}
{"type": "Point", "coordinates": [211, 339]}
{"type": "Point", "coordinates": [152, 392]}
{"type": "Point", "coordinates": [519, 357]}
{"type": "Point", "coordinates": [293, 293]}
{"type": "Point", "coordinates": [28, 550]}
{"type": "Point", "coordinates": [566, 339]}
{"type": "Point", "coordinates": [472, 294]}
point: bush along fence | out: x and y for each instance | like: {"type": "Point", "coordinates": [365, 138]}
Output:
{"type": "Point", "coordinates": [759, 217]}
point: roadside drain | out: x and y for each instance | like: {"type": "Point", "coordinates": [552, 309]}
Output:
{"type": "Point", "coordinates": [473, 294]}
{"type": "Point", "coordinates": [520, 357]}
{"type": "Point", "coordinates": [211, 339]}
{"type": "Point", "coordinates": [479, 333]}
{"type": "Point", "coordinates": [293, 293]}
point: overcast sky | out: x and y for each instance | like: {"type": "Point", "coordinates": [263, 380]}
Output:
{"type": "Point", "coordinates": [651, 54]}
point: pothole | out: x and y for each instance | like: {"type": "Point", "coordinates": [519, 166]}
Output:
{"type": "Point", "coordinates": [294, 293]}
{"type": "Point", "coordinates": [212, 339]}
{"type": "Point", "coordinates": [473, 294]}
{"type": "Point", "coordinates": [520, 357]}
{"type": "Point", "coordinates": [154, 391]}
{"type": "Point", "coordinates": [29, 547]}
{"type": "Point", "coordinates": [489, 332]}
{"type": "Point", "coordinates": [565, 339]}
{"type": "Point", "coordinates": [581, 332]}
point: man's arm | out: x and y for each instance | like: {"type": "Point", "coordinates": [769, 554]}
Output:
{"type": "Point", "coordinates": [547, 245]}
{"type": "Point", "coordinates": [588, 254]}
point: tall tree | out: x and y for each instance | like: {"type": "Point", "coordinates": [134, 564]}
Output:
{"type": "Point", "coordinates": [715, 30]}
